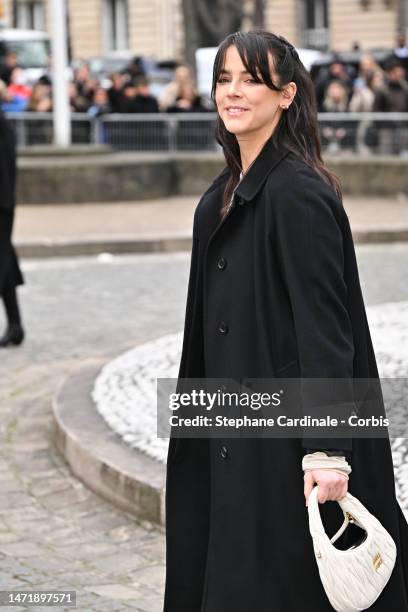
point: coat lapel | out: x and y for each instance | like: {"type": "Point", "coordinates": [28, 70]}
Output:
{"type": "Point", "coordinates": [257, 174]}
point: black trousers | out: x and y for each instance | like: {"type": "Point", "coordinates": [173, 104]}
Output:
{"type": "Point", "coordinates": [10, 273]}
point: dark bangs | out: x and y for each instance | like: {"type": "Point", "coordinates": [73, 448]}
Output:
{"type": "Point", "coordinates": [256, 55]}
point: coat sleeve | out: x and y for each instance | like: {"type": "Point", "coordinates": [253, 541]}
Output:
{"type": "Point", "coordinates": [309, 247]}
{"type": "Point", "coordinates": [7, 165]}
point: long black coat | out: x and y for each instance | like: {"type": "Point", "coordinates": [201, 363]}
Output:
{"type": "Point", "coordinates": [280, 273]}
{"type": "Point", "coordinates": [10, 274]}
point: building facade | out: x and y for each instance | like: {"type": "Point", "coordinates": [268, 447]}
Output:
{"type": "Point", "coordinates": [96, 27]}
{"type": "Point", "coordinates": [155, 27]}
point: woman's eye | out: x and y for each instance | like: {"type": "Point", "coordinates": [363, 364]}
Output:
{"type": "Point", "coordinates": [221, 80]}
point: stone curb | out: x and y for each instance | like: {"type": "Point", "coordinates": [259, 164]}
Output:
{"type": "Point", "coordinates": [163, 244]}
{"type": "Point", "coordinates": [124, 476]}
{"type": "Point", "coordinates": [95, 246]}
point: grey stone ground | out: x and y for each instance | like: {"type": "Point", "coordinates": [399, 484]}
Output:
{"type": "Point", "coordinates": [165, 225]}
{"type": "Point", "coordinates": [54, 533]}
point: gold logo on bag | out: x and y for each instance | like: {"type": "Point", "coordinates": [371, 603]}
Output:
{"type": "Point", "coordinates": [377, 561]}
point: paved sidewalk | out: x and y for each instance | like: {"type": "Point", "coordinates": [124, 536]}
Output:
{"type": "Point", "coordinates": [54, 532]}
{"type": "Point", "coordinates": [162, 225]}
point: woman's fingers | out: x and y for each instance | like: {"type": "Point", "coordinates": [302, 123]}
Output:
{"type": "Point", "coordinates": [324, 493]}
{"type": "Point", "coordinates": [332, 485]}
{"type": "Point", "coordinates": [309, 482]}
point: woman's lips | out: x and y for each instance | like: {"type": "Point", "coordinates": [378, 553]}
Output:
{"type": "Point", "coordinates": [236, 112]}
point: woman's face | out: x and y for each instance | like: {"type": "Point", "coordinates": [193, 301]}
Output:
{"type": "Point", "coordinates": [367, 63]}
{"type": "Point", "coordinates": [336, 92]}
{"type": "Point", "coordinates": [244, 105]}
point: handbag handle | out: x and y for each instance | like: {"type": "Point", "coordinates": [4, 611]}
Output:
{"type": "Point", "coordinates": [316, 519]}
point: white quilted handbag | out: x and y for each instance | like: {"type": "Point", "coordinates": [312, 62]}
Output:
{"type": "Point", "coordinates": [353, 579]}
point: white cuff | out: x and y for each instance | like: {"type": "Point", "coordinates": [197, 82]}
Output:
{"type": "Point", "coordinates": [320, 461]}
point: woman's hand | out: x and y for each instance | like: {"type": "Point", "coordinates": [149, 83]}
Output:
{"type": "Point", "coordinates": [332, 485]}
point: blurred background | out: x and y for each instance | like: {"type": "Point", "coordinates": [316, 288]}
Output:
{"type": "Point", "coordinates": [127, 58]}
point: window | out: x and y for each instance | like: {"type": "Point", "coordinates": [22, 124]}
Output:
{"type": "Point", "coordinates": [116, 25]}
{"type": "Point", "coordinates": [315, 24]}
{"type": "Point", "coordinates": [30, 14]}
{"type": "Point", "coordinates": [316, 14]}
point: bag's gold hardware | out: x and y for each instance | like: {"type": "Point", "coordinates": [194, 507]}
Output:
{"type": "Point", "coordinates": [350, 517]}
{"type": "Point", "coordinates": [377, 561]}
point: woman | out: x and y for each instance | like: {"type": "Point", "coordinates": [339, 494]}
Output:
{"type": "Point", "coordinates": [182, 77]}
{"type": "Point", "coordinates": [273, 292]}
{"type": "Point", "coordinates": [10, 274]}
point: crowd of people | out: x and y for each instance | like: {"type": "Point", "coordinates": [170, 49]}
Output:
{"type": "Point", "coordinates": [373, 89]}
{"type": "Point", "coordinates": [340, 87]}
{"type": "Point", "coordinates": [129, 91]}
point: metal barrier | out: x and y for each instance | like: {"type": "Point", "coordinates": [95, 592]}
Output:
{"type": "Point", "coordinates": [358, 133]}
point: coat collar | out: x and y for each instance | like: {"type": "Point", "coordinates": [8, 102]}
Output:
{"type": "Point", "coordinates": [253, 180]}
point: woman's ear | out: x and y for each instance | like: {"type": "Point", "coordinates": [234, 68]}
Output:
{"type": "Point", "coordinates": [289, 93]}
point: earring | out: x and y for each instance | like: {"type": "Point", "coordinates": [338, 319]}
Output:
{"type": "Point", "coordinates": [285, 107]}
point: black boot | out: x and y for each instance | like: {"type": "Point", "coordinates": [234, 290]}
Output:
{"type": "Point", "coordinates": [14, 335]}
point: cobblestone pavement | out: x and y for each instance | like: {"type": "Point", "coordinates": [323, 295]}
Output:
{"type": "Point", "coordinates": [54, 533]}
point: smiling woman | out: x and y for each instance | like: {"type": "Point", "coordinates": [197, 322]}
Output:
{"type": "Point", "coordinates": [239, 94]}
{"type": "Point", "coordinates": [274, 288]}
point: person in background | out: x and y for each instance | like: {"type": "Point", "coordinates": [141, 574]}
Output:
{"type": "Point", "coordinates": [392, 97]}
{"type": "Point", "coordinates": [337, 71]}
{"type": "Point", "coordinates": [6, 68]}
{"type": "Point", "coordinates": [188, 100]}
{"type": "Point", "coordinates": [115, 91]}
{"type": "Point", "coordinates": [336, 100]}
{"type": "Point", "coordinates": [401, 49]}
{"type": "Point", "coordinates": [137, 97]}
{"type": "Point", "coordinates": [100, 104]}
{"type": "Point", "coordinates": [182, 76]}
{"type": "Point", "coordinates": [135, 69]}
{"type": "Point", "coordinates": [85, 84]}
{"type": "Point", "coordinates": [367, 67]}
{"type": "Point", "coordinates": [5, 98]}
{"type": "Point", "coordinates": [19, 92]}
{"type": "Point", "coordinates": [41, 98]}
{"type": "Point", "coordinates": [79, 103]}
{"type": "Point", "coordinates": [362, 101]}
{"type": "Point", "coordinates": [10, 274]}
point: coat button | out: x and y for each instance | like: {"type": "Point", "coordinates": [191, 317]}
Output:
{"type": "Point", "coordinates": [224, 452]}
{"type": "Point", "coordinates": [222, 327]}
{"type": "Point", "coordinates": [222, 263]}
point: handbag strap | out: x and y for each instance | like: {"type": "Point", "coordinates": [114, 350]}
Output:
{"type": "Point", "coordinates": [342, 528]}
{"type": "Point", "coordinates": [315, 520]}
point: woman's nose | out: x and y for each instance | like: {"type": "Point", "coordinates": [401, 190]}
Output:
{"type": "Point", "coordinates": [233, 89]}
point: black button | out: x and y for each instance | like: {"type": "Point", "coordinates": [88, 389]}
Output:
{"type": "Point", "coordinates": [222, 327]}
{"type": "Point", "coordinates": [222, 263]}
{"type": "Point", "coordinates": [224, 452]}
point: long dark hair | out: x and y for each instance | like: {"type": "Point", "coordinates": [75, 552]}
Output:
{"type": "Point", "coordinates": [297, 130]}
